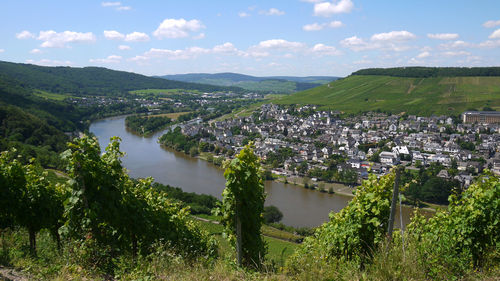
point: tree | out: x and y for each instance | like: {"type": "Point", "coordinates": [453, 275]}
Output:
{"type": "Point", "coordinates": [242, 207]}
{"type": "Point", "coordinates": [272, 214]}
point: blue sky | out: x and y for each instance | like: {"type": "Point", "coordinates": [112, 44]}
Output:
{"type": "Point", "coordinates": [273, 37]}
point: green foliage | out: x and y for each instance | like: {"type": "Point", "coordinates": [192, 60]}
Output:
{"type": "Point", "coordinates": [177, 140]}
{"type": "Point", "coordinates": [243, 200]}
{"type": "Point", "coordinates": [198, 203]}
{"type": "Point", "coordinates": [28, 199]}
{"type": "Point", "coordinates": [272, 214]}
{"type": "Point", "coordinates": [356, 231]}
{"type": "Point", "coordinates": [144, 125]}
{"type": "Point", "coordinates": [120, 214]}
{"type": "Point", "coordinates": [457, 239]}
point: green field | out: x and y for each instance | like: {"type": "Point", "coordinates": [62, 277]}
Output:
{"type": "Point", "coordinates": [161, 92]}
{"type": "Point", "coordinates": [424, 96]}
{"type": "Point", "coordinates": [51, 96]}
{"type": "Point", "coordinates": [278, 250]}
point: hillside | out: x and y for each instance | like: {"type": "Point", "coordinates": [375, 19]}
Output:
{"type": "Point", "coordinates": [425, 96]}
{"type": "Point", "coordinates": [276, 84]}
{"type": "Point", "coordinates": [91, 80]}
{"type": "Point", "coordinates": [424, 72]}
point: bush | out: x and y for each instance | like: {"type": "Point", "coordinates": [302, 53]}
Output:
{"type": "Point", "coordinates": [353, 233]}
{"type": "Point", "coordinates": [272, 214]}
{"type": "Point", "coordinates": [459, 239]}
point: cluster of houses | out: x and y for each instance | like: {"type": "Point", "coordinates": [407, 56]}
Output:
{"type": "Point", "coordinates": [371, 142]}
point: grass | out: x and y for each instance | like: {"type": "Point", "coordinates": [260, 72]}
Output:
{"type": "Point", "coordinates": [389, 263]}
{"type": "Point", "coordinates": [51, 96]}
{"type": "Point", "coordinates": [161, 92]}
{"type": "Point", "coordinates": [173, 115]}
{"type": "Point", "coordinates": [424, 96]}
{"type": "Point", "coordinates": [278, 248]}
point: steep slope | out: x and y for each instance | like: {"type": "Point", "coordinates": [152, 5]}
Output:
{"type": "Point", "coordinates": [434, 95]}
{"type": "Point", "coordinates": [276, 84]}
{"type": "Point", "coordinates": [91, 80]}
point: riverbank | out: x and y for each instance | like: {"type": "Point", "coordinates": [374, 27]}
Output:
{"type": "Point", "coordinates": [325, 187]}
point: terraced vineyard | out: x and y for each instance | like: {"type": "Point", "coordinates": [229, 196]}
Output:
{"type": "Point", "coordinates": [424, 96]}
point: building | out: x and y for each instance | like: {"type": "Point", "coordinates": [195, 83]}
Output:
{"type": "Point", "coordinates": [481, 117]}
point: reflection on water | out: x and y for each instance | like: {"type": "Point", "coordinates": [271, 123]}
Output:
{"type": "Point", "coordinates": [146, 158]}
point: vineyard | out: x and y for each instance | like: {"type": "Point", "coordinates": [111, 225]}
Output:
{"type": "Point", "coordinates": [101, 224]}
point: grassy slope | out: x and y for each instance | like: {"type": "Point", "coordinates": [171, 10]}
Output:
{"type": "Point", "coordinates": [441, 95]}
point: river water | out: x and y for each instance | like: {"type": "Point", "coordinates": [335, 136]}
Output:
{"type": "Point", "coordinates": [146, 158]}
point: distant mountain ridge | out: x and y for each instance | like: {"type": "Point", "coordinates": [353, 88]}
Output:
{"type": "Point", "coordinates": [276, 84]}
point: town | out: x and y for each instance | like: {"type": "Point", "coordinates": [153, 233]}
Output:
{"type": "Point", "coordinates": [369, 143]}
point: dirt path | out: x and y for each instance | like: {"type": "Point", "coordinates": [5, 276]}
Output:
{"type": "Point", "coordinates": [10, 274]}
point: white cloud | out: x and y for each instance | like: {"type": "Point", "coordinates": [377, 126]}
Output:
{"type": "Point", "coordinates": [111, 4]}
{"type": "Point", "coordinates": [109, 59]}
{"type": "Point", "coordinates": [402, 35]}
{"type": "Point", "coordinates": [136, 37]}
{"type": "Point", "coordinates": [280, 44]}
{"type": "Point", "coordinates": [317, 26]}
{"type": "Point", "coordinates": [131, 37]}
{"type": "Point", "coordinates": [52, 39]}
{"type": "Point", "coordinates": [124, 47]}
{"type": "Point", "coordinates": [459, 44]}
{"type": "Point", "coordinates": [193, 52]}
{"type": "Point", "coordinates": [25, 35]}
{"type": "Point", "coordinates": [311, 1]}
{"type": "Point", "coordinates": [177, 28]}
{"type": "Point", "coordinates": [491, 23]}
{"type": "Point", "coordinates": [49, 62]}
{"type": "Point", "coordinates": [423, 55]}
{"type": "Point", "coordinates": [187, 53]}
{"type": "Point", "coordinates": [335, 24]}
{"type": "Point", "coordinates": [117, 5]}
{"type": "Point", "coordinates": [227, 48]}
{"type": "Point", "coordinates": [490, 44]}
{"type": "Point", "coordinates": [495, 34]}
{"type": "Point", "coordinates": [355, 43]}
{"type": "Point", "coordinates": [199, 36]}
{"type": "Point", "coordinates": [321, 49]}
{"type": "Point", "coordinates": [313, 27]}
{"type": "Point", "coordinates": [393, 40]}
{"type": "Point", "coordinates": [243, 14]}
{"type": "Point", "coordinates": [272, 12]}
{"type": "Point", "coordinates": [2, 50]}
{"type": "Point", "coordinates": [326, 9]}
{"type": "Point", "coordinates": [443, 36]}
{"type": "Point", "coordinates": [113, 35]}
{"type": "Point", "coordinates": [363, 61]}
{"type": "Point", "coordinates": [36, 51]}
{"type": "Point", "coordinates": [455, 53]}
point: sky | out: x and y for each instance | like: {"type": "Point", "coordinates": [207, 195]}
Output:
{"type": "Point", "coordinates": [261, 38]}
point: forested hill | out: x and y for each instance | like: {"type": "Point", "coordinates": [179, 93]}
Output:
{"type": "Point", "coordinates": [91, 80]}
{"type": "Point", "coordinates": [425, 72]}
{"type": "Point", "coordinates": [276, 84]}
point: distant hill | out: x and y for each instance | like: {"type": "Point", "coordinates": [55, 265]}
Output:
{"type": "Point", "coordinates": [91, 80]}
{"type": "Point", "coordinates": [275, 84]}
{"type": "Point", "coordinates": [425, 96]}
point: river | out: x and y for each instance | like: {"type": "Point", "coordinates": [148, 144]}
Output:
{"type": "Point", "coordinates": [146, 158]}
